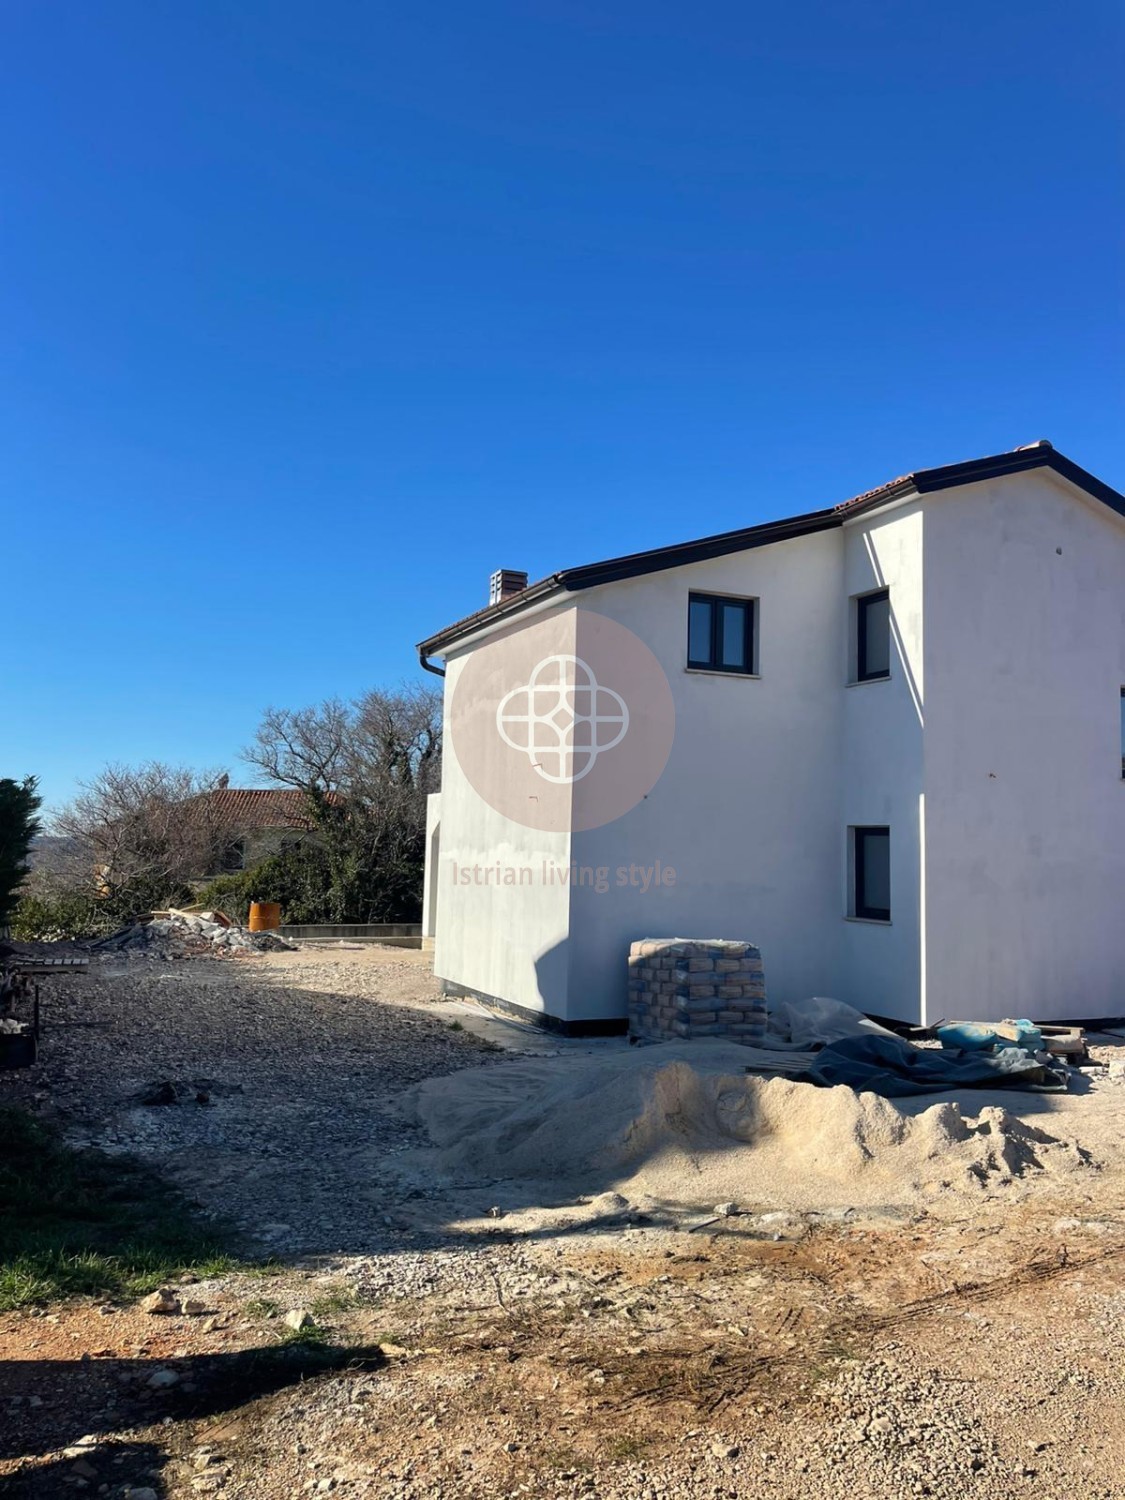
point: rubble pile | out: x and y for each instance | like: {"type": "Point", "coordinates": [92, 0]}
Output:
{"type": "Point", "coordinates": [182, 935]}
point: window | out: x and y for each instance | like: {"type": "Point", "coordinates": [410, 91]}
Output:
{"type": "Point", "coordinates": [873, 636]}
{"type": "Point", "coordinates": [871, 874]}
{"type": "Point", "coordinates": [234, 855]}
{"type": "Point", "coordinates": [721, 633]}
{"type": "Point", "coordinates": [1123, 734]}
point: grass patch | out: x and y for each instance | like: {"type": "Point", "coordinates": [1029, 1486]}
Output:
{"type": "Point", "coordinates": [81, 1223]}
{"type": "Point", "coordinates": [263, 1269]}
{"type": "Point", "coordinates": [309, 1337]}
{"type": "Point", "coordinates": [261, 1307]}
{"type": "Point", "coordinates": [331, 1303]}
{"type": "Point", "coordinates": [825, 1363]}
{"type": "Point", "coordinates": [627, 1448]}
{"type": "Point", "coordinates": [564, 1456]}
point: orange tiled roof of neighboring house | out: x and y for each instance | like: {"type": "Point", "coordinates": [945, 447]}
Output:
{"type": "Point", "coordinates": [263, 807]}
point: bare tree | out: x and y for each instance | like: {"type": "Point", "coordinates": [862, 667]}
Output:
{"type": "Point", "coordinates": [384, 740]}
{"type": "Point", "coordinates": [366, 768]}
{"type": "Point", "coordinates": [304, 748]}
{"type": "Point", "coordinates": [139, 834]}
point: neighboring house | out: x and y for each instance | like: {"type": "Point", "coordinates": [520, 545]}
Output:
{"type": "Point", "coordinates": [263, 822]}
{"type": "Point", "coordinates": [884, 741]}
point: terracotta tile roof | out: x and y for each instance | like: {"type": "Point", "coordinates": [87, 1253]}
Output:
{"type": "Point", "coordinates": [265, 807]}
{"type": "Point", "coordinates": [879, 490]}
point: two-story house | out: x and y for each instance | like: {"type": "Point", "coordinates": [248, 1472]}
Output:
{"type": "Point", "coordinates": [883, 741]}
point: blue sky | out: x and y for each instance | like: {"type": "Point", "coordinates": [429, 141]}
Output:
{"type": "Point", "coordinates": [315, 314]}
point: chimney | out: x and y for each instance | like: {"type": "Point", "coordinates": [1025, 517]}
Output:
{"type": "Point", "coordinates": [504, 583]}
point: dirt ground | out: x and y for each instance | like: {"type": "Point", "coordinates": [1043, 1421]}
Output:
{"type": "Point", "coordinates": [597, 1352]}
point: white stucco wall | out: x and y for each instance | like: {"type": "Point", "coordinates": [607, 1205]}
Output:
{"type": "Point", "coordinates": [752, 810]}
{"type": "Point", "coordinates": [431, 876]}
{"type": "Point", "coordinates": [992, 754]}
{"type": "Point", "coordinates": [880, 764]}
{"type": "Point", "coordinates": [509, 942]}
{"type": "Point", "coordinates": [1025, 806]}
{"type": "Point", "coordinates": [746, 812]}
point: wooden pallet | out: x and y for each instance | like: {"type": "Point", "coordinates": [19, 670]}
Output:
{"type": "Point", "coordinates": [31, 965]}
{"type": "Point", "coordinates": [1061, 1041]}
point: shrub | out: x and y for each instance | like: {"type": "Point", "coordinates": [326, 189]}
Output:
{"type": "Point", "coordinates": [298, 878]}
{"type": "Point", "coordinates": [48, 911]}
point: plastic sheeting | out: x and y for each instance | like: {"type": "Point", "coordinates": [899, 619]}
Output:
{"type": "Point", "coordinates": [885, 1064]}
{"type": "Point", "coordinates": [815, 1022]}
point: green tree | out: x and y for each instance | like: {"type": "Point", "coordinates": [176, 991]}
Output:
{"type": "Point", "coordinates": [19, 823]}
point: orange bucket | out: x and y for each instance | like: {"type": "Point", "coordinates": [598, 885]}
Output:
{"type": "Point", "coordinates": [265, 916]}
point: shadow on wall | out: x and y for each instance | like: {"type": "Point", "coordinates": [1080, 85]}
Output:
{"type": "Point", "coordinates": [562, 999]}
{"type": "Point", "coordinates": [879, 581]}
{"type": "Point", "coordinates": [552, 974]}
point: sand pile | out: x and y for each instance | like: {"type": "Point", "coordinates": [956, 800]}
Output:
{"type": "Point", "coordinates": [686, 1124]}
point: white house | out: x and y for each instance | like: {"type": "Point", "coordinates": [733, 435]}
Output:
{"type": "Point", "coordinates": [883, 741]}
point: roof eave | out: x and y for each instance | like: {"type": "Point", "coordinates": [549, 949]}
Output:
{"type": "Point", "coordinates": [634, 565]}
{"type": "Point", "coordinates": [923, 482]}
{"type": "Point", "coordinates": [485, 619]}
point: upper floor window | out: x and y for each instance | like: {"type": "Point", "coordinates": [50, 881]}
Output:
{"type": "Point", "coordinates": [721, 633]}
{"type": "Point", "coordinates": [873, 636]}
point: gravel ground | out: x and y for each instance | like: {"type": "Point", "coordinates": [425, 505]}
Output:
{"type": "Point", "coordinates": [596, 1357]}
{"type": "Point", "coordinates": [298, 1060]}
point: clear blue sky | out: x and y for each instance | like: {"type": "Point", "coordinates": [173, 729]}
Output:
{"type": "Point", "coordinates": [314, 314]}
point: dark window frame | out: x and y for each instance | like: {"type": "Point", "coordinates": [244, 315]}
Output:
{"type": "Point", "coordinates": [233, 860]}
{"type": "Point", "coordinates": [860, 906]}
{"type": "Point", "coordinates": [1123, 734]}
{"type": "Point", "coordinates": [862, 604]}
{"type": "Point", "coordinates": [750, 627]}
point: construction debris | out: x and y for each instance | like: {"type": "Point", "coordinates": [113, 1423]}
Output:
{"type": "Point", "coordinates": [183, 934]}
{"type": "Point", "coordinates": [19, 1037]}
{"type": "Point", "coordinates": [1059, 1041]}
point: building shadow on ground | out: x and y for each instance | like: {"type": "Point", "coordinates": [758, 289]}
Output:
{"type": "Point", "coordinates": [85, 1402]}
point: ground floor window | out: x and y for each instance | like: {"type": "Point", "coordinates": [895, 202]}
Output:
{"type": "Point", "coordinates": [871, 874]}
